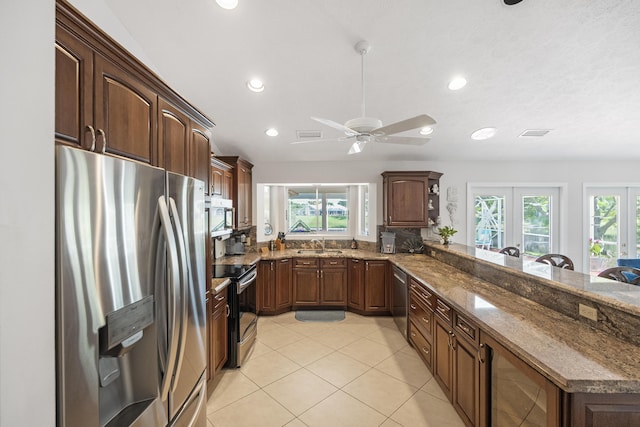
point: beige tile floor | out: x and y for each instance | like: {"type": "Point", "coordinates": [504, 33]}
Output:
{"type": "Point", "coordinates": [357, 372]}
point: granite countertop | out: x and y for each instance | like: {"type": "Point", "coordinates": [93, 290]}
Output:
{"type": "Point", "coordinates": [622, 296]}
{"type": "Point", "coordinates": [571, 354]}
{"type": "Point", "coordinates": [218, 285]}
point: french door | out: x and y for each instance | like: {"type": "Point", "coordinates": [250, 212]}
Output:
{"type": "Point", "coordinates": [613, 225]}
{"type": "Point", "coordinates": [525, 217]}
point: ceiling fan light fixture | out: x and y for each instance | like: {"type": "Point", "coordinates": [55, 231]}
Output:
{"type": "Point", "coordinates": [357, 147]}
{"type": "Point", "coordinates": [255, 85]}
{"type": "Point", "coordinates": [484, 133]}
{"type": "Point", "coordinates": [227, 4]}
{"type": "Point", "coordinates": [428, 130]}
{"type": "Point", "coordinates": [457, 83]}
{"type": "Point", "coordinates": [271, 132]}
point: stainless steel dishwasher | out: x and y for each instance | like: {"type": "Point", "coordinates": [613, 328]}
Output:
{"type": "Point", "coordinates": [400, 299]}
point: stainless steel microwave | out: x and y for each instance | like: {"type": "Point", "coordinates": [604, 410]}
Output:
{"type": "Point", "coordinates": [221, 214]}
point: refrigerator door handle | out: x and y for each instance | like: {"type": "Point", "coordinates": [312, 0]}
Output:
{"type": "Point", "coordinates": [184, 286]}
{"type": "Point", "coordinates": [174, 282]}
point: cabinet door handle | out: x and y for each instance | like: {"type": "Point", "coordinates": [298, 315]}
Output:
{"type": "Point", "coordinates": [333, 263]}
{"type": "Point", "coordinates": [93, 137]}
{"type": "Point", "coordinates": [424, 349]}
{"type": "Point", "coordinates": [104, 140]}
{"type": "Point", "coordinates": [317, 274]}
{"type": "Point", "coordinates": [219, 297]}
{"type": "Point", "coordinates": [271, 263]}
{"type": "Point", "coordinates": [413, 307]}
{"type": "Point", "coordinates": [413, 334]}
{"type": "Point", "coordinates": [389, 218]}
{"type": "Point", "coordinates": [228, 310]}
{"type": "Point", "coordinates": [480, 348]}
{"type": "Point", "coordinates": [321, 274]}
{"type": "Point", "coordinates": [425, 320]}
{"type": "Point", "coordinates": [367, 264]}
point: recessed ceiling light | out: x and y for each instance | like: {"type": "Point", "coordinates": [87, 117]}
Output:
{"type": "Point", "coordinates": [255, 85]}
{"type": "Point", "coordinates": [484, 133]}
{"type": "Point", "coordinates": [227, 4]}
{"type": "Point", "coordinates": [457, 83]}
{"type": "Point", "coordinates": [426, 130]}
{"type": "Point", "coordinates": [271, 132]}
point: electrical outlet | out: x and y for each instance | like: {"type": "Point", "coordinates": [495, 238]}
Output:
{"type": "Point", "coordinates": [433, 253]}
{"type": "Point", "coordinates": [588, 312]}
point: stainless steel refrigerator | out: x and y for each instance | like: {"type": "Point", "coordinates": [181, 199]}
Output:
{"type": "Point", "coordinates": [130, 286]}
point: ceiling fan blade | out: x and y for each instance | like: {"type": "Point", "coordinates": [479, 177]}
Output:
{"type": "Point", "coordinates": [405, 140]}
{"type": "Point", "coordinates": [336, 125]}
{"type": "Point", "coordinates": [408, 124]}
{"type": "Point", "coordinates": [357, 147]}
{"type": "Point", "coordinates": [316, 140]}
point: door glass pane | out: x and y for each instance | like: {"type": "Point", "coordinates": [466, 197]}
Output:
{"type": "Point", "coordinates": [515, 399]}
{"type": "Point", "coordinates": [490, 221]}
{"type": "Point", "coordinates": [536, 230]}
{"type": "Point", "coordinates": [637, 233]}
{"type": "Point", "coordinates": [604, 232]}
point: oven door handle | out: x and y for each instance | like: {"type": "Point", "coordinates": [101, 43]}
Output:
{"type": "Point", "coordinates": [246, 282]}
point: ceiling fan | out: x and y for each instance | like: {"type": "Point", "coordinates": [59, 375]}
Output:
{"type": "Point", "coordinates": [368, 129]}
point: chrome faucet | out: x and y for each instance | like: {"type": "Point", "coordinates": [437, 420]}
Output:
{"type": "Point", "coordinates": [319, 242]}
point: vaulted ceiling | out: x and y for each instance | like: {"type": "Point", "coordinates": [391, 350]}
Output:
{"type": "Point", "coordinates": [571, 67]}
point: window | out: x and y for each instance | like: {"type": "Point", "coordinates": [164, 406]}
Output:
{"type": "Point", "coordinates": [614, 226]}
{"type": "Point", "coordinates": [525, 217]}
{"type": "Point", "coordinates": [318, 210]}
{"type": "Point", "coordinates": [308, 210]}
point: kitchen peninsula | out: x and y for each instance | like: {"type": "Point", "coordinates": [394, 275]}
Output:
{"type": "Point", "coordinates": [588, 369]}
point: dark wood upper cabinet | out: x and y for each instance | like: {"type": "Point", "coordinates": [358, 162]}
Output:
{"type": "Point", "coordinates": [409, 199]}
{"type": "Point", "coordinates": [108, 101]}
{"type": "Point", "coordinates": [173, 138]}
{"type": "Point", "coordinates": [74, 90]}
{"type": "Point", "coordinates": [242, 189]}
{"type": "Point", "coordinates": [200, 155]}
{"type": "Point", "coordinates": [126, 111]}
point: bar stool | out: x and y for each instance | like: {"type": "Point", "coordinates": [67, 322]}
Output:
{"type": "Point", "coordinates": [556, 260]}
{"type": "Point", "coordinates": [623, 274]}
{"type": "Point", "coordinates": [511, 251]}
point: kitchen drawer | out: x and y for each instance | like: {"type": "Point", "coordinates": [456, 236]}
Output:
{"type": "Point", "coordinates": [421, 316]}
{"type": "Point", "coordinates": [466, 328]}
{"type": "Point", "coordinates": [425, 295]}
{"type": "Point", "coordinates": [444, 311]}
{"type": "Point", "coordinates": [219, 299]}
{"type": "Point", "coordinates": [305, 262]}
{"type": "Point", "coordinates": [333, 262]}
{"type": "Point", "coordinates": [420, 343]}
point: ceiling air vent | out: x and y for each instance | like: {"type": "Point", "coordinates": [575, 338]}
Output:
{"type": "Point", "coordinates": [535, 132]}
{"type": "Point", "coordinates": [308, 134]}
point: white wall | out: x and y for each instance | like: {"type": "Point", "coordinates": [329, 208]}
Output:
{"type": "Point", "coordinates": [457, 174]}
{"type": "Point", "coordinates": [27, 365]}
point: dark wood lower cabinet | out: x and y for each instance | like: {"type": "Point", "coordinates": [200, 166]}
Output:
{"type": "Point", "coordinates": [442, 356]}
{"type": "Point", "coordinates": [376, 290]}
{"type": "Point", "coordinates": [605, 410]}
{"type": "Point", "coordinates": [355, 292]}
{"type": "Point", "coordinates": [274, 291]}
{"type": "Point", "coordinates": [465, 390]}
{"type": "Point", "coordinates": [217, 333]}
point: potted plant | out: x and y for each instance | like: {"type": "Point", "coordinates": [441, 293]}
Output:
{"type": "Point", "coordinates": [446, 233]}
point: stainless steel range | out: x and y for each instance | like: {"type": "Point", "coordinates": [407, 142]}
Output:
{"type": "Point", "coordinates": [243, 320]}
